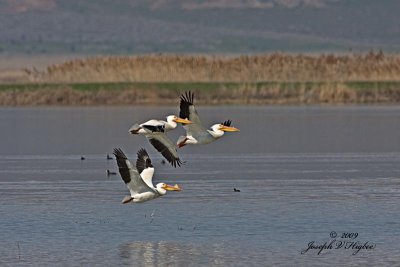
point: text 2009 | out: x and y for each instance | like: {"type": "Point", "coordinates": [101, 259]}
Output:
{"type": "Point", "coordinates": [349, 235]}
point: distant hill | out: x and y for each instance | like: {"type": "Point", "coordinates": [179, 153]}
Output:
{"type": "Point", "coordinates": [193, 26]}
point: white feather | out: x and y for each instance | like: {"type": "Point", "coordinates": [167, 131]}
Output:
{"type": "Point", "coordinates": [147, 176]}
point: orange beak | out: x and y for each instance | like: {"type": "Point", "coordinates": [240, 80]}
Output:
{"type": "Point", "coordinates": [228, 129]}
{"type": "Point", "coordinates": [183, 121]}
{"type": "Point", "coordinates": [172, 188]}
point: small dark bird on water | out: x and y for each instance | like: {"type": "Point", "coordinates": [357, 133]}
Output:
{"type": "Point", "coordinates": [109, 157]}
{"type": "Point", "coordinates": [236, 190]}
{"type": "Point", "coordinates": [163, 162]}
{"type": "Point", "coordinates": [82, 158]}
{"type": "Point", "coordinates": [111, 173]}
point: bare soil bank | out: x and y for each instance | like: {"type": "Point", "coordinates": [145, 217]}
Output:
{"type": "Point", "coordinates": [242, 94]}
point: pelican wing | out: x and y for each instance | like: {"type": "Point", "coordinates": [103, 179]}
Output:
{"type": "Point", "coordinates": [165, 146]}
{"type": "Point", "coordinates": [130, 175]}
{"type": "Point", "coordinates": [154, 125]}
{"type": "Point", "coordinates": [188, 111]}
{"type": "Point", "coordinates": [144, 167]}
{"type": "Point", "coordinates": [153, 128]}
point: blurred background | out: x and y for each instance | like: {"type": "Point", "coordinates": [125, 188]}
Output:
{"type": "Point", "coordinates": [92, 27]}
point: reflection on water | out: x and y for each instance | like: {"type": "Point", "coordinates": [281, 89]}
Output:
{"type": "Point", "coordinates": [165, 253]}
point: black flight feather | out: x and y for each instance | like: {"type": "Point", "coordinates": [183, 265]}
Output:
{"type": "Point", "coordinates": [159, 128]}
{"type": "Point", "coordinates": [165, 152]}
{"type": "Point", "coordinates": [122, 165]}
{"type": "Point", "coordinates": [186, 102]}
{"type": "Point", "coordinates": [143, 160]}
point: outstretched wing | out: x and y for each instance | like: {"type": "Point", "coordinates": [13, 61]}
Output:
{"type": "Point", "coordinates": [165, 146]}
{"type": "Point", "coordinates": [144, 167]}
{"type": "Point", "coordinates": [130, 175]}
{"type": "Point", "coordinates": [188, 111]}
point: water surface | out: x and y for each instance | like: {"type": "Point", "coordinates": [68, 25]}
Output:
{"type": "Point", "coordinates": [303, 172]}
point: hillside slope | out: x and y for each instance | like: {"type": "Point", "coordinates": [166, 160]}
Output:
{"type": "Point", "coordinates": [234, 26]}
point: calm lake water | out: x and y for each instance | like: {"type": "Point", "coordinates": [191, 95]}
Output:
{"type": "Point", "coordinates": [303, 173]}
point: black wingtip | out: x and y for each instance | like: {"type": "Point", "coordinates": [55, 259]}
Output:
{"type": "Point", "coordinates": [187, 100]}
{"type": "Point", "coordinates": [118, 153]}
{"type": "Point", "coordinates": [177, 162]}
{"type": "Point", "coordinates": [123, 166]}
{"type": "Point", "coordinates": [143, 160]}
{"type": "Point", "coordinates": [227, 123]}
{"type": "Point", "coordinates": [188, 97]}
{"type": "Point", "coordinates": [142, 152]}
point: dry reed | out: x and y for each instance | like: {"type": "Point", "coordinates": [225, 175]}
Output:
{"type": "Point", "coordinates": [373, 66]}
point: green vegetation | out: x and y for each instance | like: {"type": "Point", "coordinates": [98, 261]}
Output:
{"type": "Point", "coordinates": [166, 93]}
{"type": "Point", "coordinates": [209, 86]}
{"type": "Point", "coordinates": [180, 86]}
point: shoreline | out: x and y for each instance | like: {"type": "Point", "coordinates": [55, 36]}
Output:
{"type": "Point", "coordinates": [271, 93]}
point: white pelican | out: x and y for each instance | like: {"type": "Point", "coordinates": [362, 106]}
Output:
{"type": "Point", "coordinates": [153, 126]}
{"type": "Point", "coordinates": [195, 132]}
{"type": "Point", "coordinates": [154, 130]}
{"type": "Point", "coordinates": [139, 180]}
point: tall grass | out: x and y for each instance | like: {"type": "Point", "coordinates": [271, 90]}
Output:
{"type": "Point", "coordinates": [373, 66]}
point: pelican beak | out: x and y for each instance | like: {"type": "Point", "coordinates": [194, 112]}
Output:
{"type": "Point", "coordinates": [172, 188]}
{"type": "Point", "coordinates": [228, 129]}
{"type": "Point", "coordinates": [183, 121]}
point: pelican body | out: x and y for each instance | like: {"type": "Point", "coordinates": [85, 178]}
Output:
{"type": "Point", "coordinates": [195, 132]}
{"type": "Point", "coordinates": [139, 180]}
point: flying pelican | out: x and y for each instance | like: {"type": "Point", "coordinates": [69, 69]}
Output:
{"type": "Point", "coordinates": [139, 180]}
{"type": "Point", "coordinates": [154, 126]}
{"type": "Point", "coordinates": [154, 130]}
{"type": "Point", "coordinates": [195, 132]}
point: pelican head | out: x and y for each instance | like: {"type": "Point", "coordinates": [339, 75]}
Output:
{"type": "Point", "coordinates": [226, 127]}
{"type": "Point", "coordinates": [176, 119]}
{"type": "Point", "coordinates": [162, 188]}
{"type": "Point", "coordinates": [218, 130]}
